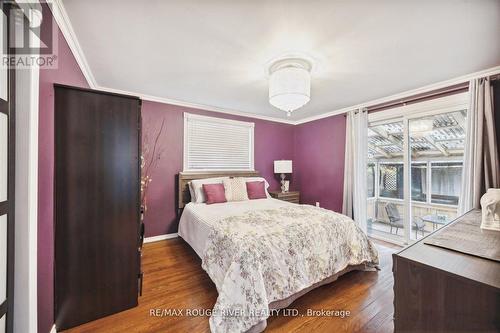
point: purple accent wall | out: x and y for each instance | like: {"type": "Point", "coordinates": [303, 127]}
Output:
{"type": "Point", "coordinates": [319, 149]}
{"type": "Point", "coordinates": [68, 72]}
{"type": "Point", "coordinates": [316, 148]}
{"type": "Point", "coordinates": [272, 141]}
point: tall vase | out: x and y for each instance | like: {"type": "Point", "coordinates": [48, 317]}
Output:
{"type": "Point", "coordinates": [490, 205]}
{"type": "Point", "coordinates": [142, 227]}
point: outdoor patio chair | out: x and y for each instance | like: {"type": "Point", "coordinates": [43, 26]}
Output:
{"type": "Point", "coordinates": [418, 225]}
{"type": "Point", "coordinates": [395, 219]}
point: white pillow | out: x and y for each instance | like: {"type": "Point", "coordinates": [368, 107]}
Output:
{"type": "Point", "coordinates": [191, 192]}
{"type": "Point", "coordinates": [236, 189]}
{"type": "Point", "coordinates": [259, 179]}
{"type": "Point", "coordinates": [197, 188]}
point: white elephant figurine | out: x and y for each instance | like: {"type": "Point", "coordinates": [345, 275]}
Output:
{"type": "Point", "coordinates": [490, 204]}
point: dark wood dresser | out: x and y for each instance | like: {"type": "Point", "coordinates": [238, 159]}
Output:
{"type": "Point", "coordinates": [440, 290]}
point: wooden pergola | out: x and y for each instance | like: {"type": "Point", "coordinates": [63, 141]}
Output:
{"type": "Point", "coordinates": [446, 138]}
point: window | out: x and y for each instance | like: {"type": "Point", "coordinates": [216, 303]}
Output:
{"type": "Point", "coordinates": [217, 144]}
{"type": "Point", "coordinates": [446, 181]}
{"type": "Point", "coordinates": [391, 180]}
{"type": "Point", "coordinates": [419, 182]}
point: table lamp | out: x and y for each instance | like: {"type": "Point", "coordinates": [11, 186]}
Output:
{"type": "Point", "coordinates": [282, 167]}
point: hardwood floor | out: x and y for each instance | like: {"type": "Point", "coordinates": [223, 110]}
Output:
{"type": "Point", "coordinates": [174, 279]}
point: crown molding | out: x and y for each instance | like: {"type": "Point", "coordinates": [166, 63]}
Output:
{"type": "Point", "coordinates": [443, 84]}
{"type": "Point", "coordinates": [63, 21]}
{"type": "Point", "coordinates": [61, 17]}
{"type": "Point", "coordinates": [203, 107]}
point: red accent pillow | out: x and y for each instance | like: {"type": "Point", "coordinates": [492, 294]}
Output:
{"type": "Point", "coordinates": [214, 193]}
{"type": "Point", "coordinates": [256, 190]}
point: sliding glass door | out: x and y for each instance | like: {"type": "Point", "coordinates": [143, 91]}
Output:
{"type": "Point", "coordinates": [385, 206]}
{"type": "Point", "coordinates": [414, 169]}
{"type": "Point", "coordinates": [437, 151]}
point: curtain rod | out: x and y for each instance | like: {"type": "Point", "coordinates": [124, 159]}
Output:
{"type": "Point", "coordinates": [437, 93]}
{"type": "Point", "coordinates": [442, 92]}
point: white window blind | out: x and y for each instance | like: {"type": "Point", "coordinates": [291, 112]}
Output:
{"type": "Point", "coordinates": [217, 144]}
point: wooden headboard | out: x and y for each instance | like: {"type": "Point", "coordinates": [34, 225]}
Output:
{"type": "Point", "coordinates": [186, 177]}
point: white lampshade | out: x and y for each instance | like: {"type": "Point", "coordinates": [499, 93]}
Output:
{"type": "Point", "coordinates": [283, 166]}
{"type": "Point", "coordinates": [290, 84]}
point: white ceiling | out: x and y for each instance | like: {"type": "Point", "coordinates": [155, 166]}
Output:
{"type": "Point", "coordinates": [216, 52]}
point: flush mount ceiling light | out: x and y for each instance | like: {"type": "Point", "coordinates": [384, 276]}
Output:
{"type": "Point", "coordinates": [290, 84]}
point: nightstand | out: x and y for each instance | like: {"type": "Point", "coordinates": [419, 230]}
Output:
{"type": "Point", "coordinates": [291, 196]}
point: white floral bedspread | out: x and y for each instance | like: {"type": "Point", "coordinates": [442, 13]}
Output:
{"type": "Point", "coordinates": [268, 255]}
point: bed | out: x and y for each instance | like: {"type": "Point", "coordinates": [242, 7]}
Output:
{"type": "Point", "coordinates": [263, 254]}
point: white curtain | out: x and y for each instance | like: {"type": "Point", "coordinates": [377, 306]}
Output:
{"type": "Point", "coordinates": [481, 166]}
{"type": "Point", "coordinates": [348, 165]}
{"type": "Point", "coordinates": [354, 198]}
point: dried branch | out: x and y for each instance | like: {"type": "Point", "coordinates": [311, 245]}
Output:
{"type": "Point", "coordinates": [152, 159]}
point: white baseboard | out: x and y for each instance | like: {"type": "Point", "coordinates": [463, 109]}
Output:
{"type": "Point", "coordinates": [160, 237]}
{"type": "Point", "coordinates": [53, 330]}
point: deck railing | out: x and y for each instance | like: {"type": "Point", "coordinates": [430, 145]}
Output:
{"type": "Point", "coordinates": [376, 212]}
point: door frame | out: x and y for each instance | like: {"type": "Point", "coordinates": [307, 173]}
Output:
{"type": "Point", "coordinates": [27, 112]}
{"type": "Point", "coordinates": [23, 154]}
{"type": "Point", "coordinates": [8, 206]}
